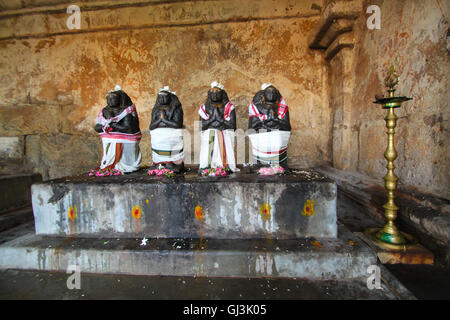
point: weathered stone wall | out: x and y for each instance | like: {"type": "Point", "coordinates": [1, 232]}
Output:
{"type": "Point", "coordinates": [54, 80]}
{"type": "Point", "coordinates": [413, 36]}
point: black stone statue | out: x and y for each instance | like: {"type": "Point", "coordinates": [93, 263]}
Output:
{"type": "Point", "coordinates": [268, 113]}
{"type": "Point", "coordinates": [167, 112]}
{"type": "Point", "coordinates": [215, 107]}
{"type": "Point", "coordinates": [166, 131]}
{"type": "Point", "coordinates": [218, 119]}
{"type": "Point", "coordinates": [117, 101]}
{"type": "Point", "coordinates": [268, 103]}
{"type": "Point", "coordinates": [118, 127]}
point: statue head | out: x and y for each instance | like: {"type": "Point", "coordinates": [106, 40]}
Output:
{"type": "Point", "coordinates": [167, 98]}
{"type": "Point", "coordinates": [163, 98]}
{"type": "Point", "coordinates": [217, 95]}
{"type": "Point", "coordinates": [117, 98]}
{"type": "Point", "coordinates": [271, 94]}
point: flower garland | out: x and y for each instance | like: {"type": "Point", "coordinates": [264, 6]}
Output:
{"type": "Point", "coordinates": [215, 172]}
{"type": "Point", "coordinates": [269, 171]}
{"type": "Point", "coordinates": [162, 172]}
{"type": "Point", "coordinates": [105, 172]}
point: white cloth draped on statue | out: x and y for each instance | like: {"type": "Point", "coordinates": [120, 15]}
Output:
{"type": "Point", "coordinates": [217, 149]}
{"type": "Point", "coordinates": [122, 156]}
{"type": "Point", "coordinates": [270, 147]}
{"type": "Point", "coordinates": [167, 145]}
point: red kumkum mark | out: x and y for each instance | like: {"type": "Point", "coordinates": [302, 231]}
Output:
{"type": "Point", "coordinates": [136, 212]}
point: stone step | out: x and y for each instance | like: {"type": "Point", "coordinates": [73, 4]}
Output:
{"type": "Point", "coordinates": [15, 217]}
{"type": "Point", "coordinates": [19, 231]}
{"type": "Point", "coordinates": [345, 257]}
{"type": "Point", "coordinates": [15, 190]}
{"type": "Point", "coordinates": [240, 206]}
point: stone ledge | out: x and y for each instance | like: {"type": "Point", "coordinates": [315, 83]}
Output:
{"type": "Point", "coordinates": [347, 40]}
{"type": "Point", "coordinates": [337, 18]}
{"type": "Point", "coordinates": [15, 190]}
{"type": "Point", "coordinates": [98, 16]}
{"type": "Point", "coordinates": [424, 216]}
{"type": "Point", "coordinates": [304, 258]}
{"type": "Point", "coordinates": [232, 207]}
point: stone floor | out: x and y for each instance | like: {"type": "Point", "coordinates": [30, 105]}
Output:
{"type": "Point", "coordinates": [52, 285]}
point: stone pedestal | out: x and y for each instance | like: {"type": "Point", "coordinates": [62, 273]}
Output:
{"type": "Point", "coordinates": [242, 225]}
{"type": "Point", "coordinates": [240, 206]}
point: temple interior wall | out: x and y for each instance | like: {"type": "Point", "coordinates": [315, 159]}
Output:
{"type": "Point", "coordinates": [413, 36]}
{"type": "Point", "coordinates": [54, 80]}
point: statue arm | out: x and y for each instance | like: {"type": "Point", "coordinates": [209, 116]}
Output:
{"type": "Point", "coordinates": [206, 123]}
{"type": "Point", "coordinates": [176, 118]}
{"type": "Point", "coordinates": [285, 124]}
{"type": "Point", "coordinates": [129, 124]}
{"type": "Point", "coordinates": [231, 124]}
{"type": "Point", "coordinates": [156, 120]}
{"type": "Point", "coordinates": [255, 123]}
{"type": "Point", "coordinates": [98, 128]}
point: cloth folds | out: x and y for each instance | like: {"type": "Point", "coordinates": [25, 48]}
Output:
{"type": "Point", "coordinates": [120, 150]}
{"type": "Point", "coordinates": [125, 157]}
{"type": "Point", "coordinates": [217, 149]}
{"type": "Point", "coordinates": [270, 147]}
{"type": "Point", "coordinates": [167, 145]}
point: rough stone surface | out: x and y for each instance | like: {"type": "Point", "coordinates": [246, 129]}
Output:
{"type": "Point", "coordinates": [233, 207]}
{"type": "Point", "coordinates": [11, 148]}
{"type": "Point", "coordinates": [413, 36]}
{"type": "Point", "coordinates": [29, 119]}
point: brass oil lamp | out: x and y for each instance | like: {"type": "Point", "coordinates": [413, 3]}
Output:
{"type": "Point", "coordinates": [389, 236]}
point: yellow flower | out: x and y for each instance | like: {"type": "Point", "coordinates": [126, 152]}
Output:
{"type": "Point", "coordinates": [308, 208]}
{"type": "Point", "coordinates": [264, 210]}
{"type": "Point", "coordinates": [199, 213]}
{"type": "Point", "coordinates": [316, 244]}
{"type": "Point", "coordinates": [72, 213]}
{"type": "Point", "coordinates": [136, 212]}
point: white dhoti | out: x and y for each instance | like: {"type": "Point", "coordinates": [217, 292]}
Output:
{"type": "Point", "coordinates": [167, 145]}
{"type": "Point", "coordinates": [129, 159]}
{"type": "Point", "coordinates": [217, 149]}
{"type": "Point", "coordinates": [270, 147]}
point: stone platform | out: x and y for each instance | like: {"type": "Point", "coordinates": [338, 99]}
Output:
{"type": "Point", "coordinates": [240, 206]}
{"type": "Point", "coordinates": [345, 257]}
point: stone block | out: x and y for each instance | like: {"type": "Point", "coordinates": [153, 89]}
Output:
{"type": "Point", "coordinates": [11, 148]}
{"type": "Point", "coordinates": [70, 151]}
{"type": "Point", "coordinates": [29, 120]}
{"type": "Point", "coordinates": [236, 207]}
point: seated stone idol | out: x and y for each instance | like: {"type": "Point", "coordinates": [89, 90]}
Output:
{"type": "Point", "coordinates": [218, 120]}
{"type": "Point", "coordinates": [269, 118]}
{"type": "Point", "coordinates": [118, 126]}
{"type": "Point", "coordinates": [166, 130]}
